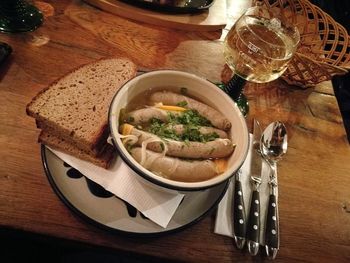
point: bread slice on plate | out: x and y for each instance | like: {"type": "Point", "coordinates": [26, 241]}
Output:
{"type": "Point", "coordinates": [104, 160]}
{"type": "Point", "coordinates": [48, 130]}
{"type": "Point", "coordinates": [76, 106]}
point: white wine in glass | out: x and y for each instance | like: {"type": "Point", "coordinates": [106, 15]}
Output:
{"type": "Point", "coordinates": [258, 48]}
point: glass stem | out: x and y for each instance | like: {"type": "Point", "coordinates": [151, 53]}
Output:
{"type": "Point", "coordinates": [235, 87]}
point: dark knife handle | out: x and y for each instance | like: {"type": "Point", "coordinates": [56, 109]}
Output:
{"type": "Point", "coordinates": [272, 227]}
{"type": "Point", "coordinates": [253, 227]}
{"type": "Point", "coordinates": [239, 217]}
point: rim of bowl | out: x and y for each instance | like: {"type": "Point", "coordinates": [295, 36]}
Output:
{"type": "Point", "coordinates": [156, 179]}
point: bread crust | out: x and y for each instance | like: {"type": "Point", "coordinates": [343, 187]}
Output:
{"type": "Point", "coordinates": [93, 152]}
{"type": "Point", "coordinates": [104, 159]}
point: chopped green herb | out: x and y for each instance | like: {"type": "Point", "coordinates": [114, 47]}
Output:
{"type": "Point", "coordinates": [156, 121]}
{"type": "Point", "coordinates": [162, 146]}
{"type": "Point", "coordinates": [130, 119]}
{"type": "Point", "coordinates": [183, 90]}
{"type": "Point", "coordinates": [129, 147]}
{"type": "Point", "coordinates": [192, 117]}
{"type": "Point", "coordinates": [182, 104]}
{"type": "Point", "coordinates": [191, 122]}
{"type": "Point", "coordinates": [186, 141]}
{"type": "Point", "coordinates": [212, 150]}
{"type": "Point", "coordinates": [122, 115]}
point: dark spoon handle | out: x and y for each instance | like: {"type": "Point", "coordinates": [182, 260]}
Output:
{"type": "Point", "coordinates": [272, 227]}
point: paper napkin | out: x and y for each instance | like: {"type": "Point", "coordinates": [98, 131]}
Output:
{"type": "Point", "coordinates": [158, 205]}
{"type": "Point", "coordinates": [224, 216]}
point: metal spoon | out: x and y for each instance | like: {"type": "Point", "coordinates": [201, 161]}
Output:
{"type": "Point", "coordinates": [273, 146]}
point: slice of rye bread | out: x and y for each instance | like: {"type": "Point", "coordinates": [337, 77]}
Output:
{"type": "Point", "coordinates": [104, 160]}
{"type": "Point", "coordinates": [94, 152]}
{"type": "Point", "coordinates": [76, 106]}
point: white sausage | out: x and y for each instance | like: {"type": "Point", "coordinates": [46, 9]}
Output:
{"type": "Point", "coordinates": [217, 148]}
{"type": "Point", "coordinates": [176, 169]}
{"type": "Point", "coordinates": [179, 129]}
{"type": "Point", "coordinates": [145, 115]}
{"type": "Point", "coordinates": [169, 98]}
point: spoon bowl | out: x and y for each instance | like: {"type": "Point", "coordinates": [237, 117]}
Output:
{"type": "Point", "coordinates": [274, 142]}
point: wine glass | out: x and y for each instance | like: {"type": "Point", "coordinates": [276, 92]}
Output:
{"type": "Point", "coordinates": [257, 48]}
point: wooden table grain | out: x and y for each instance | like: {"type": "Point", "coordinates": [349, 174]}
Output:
{"type": "Point", "coordinates": [314, 176]}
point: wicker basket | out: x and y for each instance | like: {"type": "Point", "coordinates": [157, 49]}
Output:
{"type": "Point", "coordinates": [324, 48]}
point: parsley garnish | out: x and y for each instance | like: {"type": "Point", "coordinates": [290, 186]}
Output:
{"type": "Point", "coordinates": [191, 121]}
{"type": "Point", "coordinates": [183, 91]}
{"type": "Point", "coordinates": [182, 104]}
{"type": "Point", "coordinates": [130, 119]}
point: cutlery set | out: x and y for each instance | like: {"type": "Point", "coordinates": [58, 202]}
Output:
{"type": "Point", "coordinates": [268, 146]}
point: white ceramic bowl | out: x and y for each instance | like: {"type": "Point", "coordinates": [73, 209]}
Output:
{"type": "Point", "coordinates": [200, 88]}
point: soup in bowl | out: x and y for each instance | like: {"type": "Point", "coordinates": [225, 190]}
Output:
{"type": "Point", "coordinates": [177, 130]}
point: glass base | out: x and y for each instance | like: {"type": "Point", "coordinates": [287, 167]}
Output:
{"type": "Point", "coordinates": [241, 101]}
{"type": "Point", "coordinates": [19, 16]}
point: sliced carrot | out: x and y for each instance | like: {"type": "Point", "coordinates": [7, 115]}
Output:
{"type": "Point", "coordinates": [221, 165]}
{"type": "Point", "coordinates": [170, 107]}
{"type": "Point", "coordinates": [126, 129]}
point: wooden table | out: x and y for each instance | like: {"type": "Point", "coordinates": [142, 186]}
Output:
{"type": "Point", "coordinates": [313, 177]}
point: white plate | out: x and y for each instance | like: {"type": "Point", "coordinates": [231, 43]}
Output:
{"type": "Point", "coordinates": [103, 209]}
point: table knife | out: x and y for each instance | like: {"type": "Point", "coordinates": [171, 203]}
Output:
{"type": "Point", "coordinates": [253, 226]}
{"type": "Point", "coordinates": [239, 217]}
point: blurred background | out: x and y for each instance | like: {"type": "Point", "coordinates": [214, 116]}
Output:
{"type": "Point", "coordinates": [24, 247]}
{"type": "Point", "coordinates": [340, 11]}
